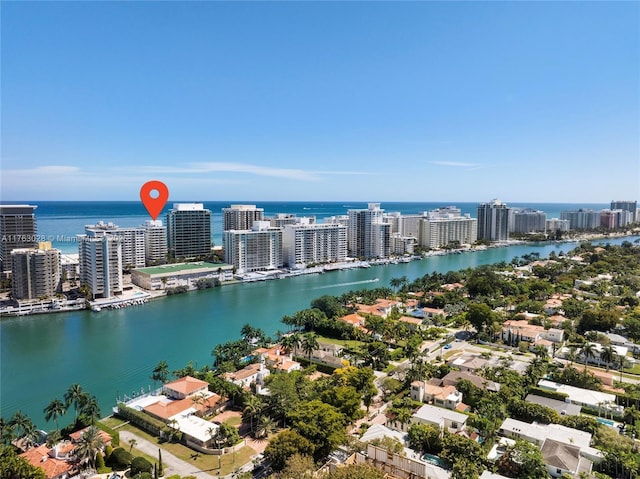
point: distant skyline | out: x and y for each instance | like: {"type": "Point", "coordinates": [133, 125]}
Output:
{"type": "Point", "coordinates": [313, 101]}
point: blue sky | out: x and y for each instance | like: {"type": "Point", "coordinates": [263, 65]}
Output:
{"type": "Point", "coordinates": [381, 101]}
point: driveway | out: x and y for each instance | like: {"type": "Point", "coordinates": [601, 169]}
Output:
{"type": "Point", "coordinates": [172, 464]}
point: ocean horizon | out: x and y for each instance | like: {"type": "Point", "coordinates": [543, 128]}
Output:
{"type": "Point", "coordinates": [60, 221]}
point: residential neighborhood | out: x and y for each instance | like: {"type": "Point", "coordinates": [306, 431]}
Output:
{"type": "Point", "coordinates": [422, 380]}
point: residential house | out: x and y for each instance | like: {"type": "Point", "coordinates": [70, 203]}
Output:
{"type": "Point", "coordinates": [354, 320]}
{"type": "Point", "coordinates": [276, 358]}
{"type": "Point", "coordinates": [185, 387]}
{"type": "Point", "coordinates": [514, 331]}
{"type": "Point", "coordinates": [251, 374]}
{"type": "Point", "coordinates": [620, 351]}
{"type": "Point", "coordinates": [382, 307]}
{"type": "Point", "coordinates": [431, 392]}
{"type": "Point", "coordinates": [453, 377]}
{"type": "Point", "coordinates": [584, 397]}
{"type": "Point", "coordinates": [414, 324]}
{"type": "Point", "coordinates": [564, 450]}
{"type": "Point", "coordinates": [407, 465]}
{"type": "Point", "coordinates": [470, 364]}
{"type": "Point", "coordinates": [561, 407]}
{"type": "Point", "coordinates": [443, 418]}
{"type": "Point", "coordinates": [56, 462]}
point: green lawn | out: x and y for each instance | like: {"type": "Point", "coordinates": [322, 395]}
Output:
{"type": "Point", "coordinates": [352, 343]}
{"type": "Point", "coordinates": [234, 421]}
{"type": "Point", "coordinates": [634, 370]}
{"type": "Point", "coordinates": [204, 462]}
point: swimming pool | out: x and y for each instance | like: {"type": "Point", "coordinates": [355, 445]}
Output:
{"type": "Point", "coordinates": [435, 460]}
{"type": "Point", "coordinates": [606, 422]}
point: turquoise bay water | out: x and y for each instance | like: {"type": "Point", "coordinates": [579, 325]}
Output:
{"type": "Point", "coordinates": [114, 352]}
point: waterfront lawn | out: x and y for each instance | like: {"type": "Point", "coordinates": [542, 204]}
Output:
{"type": "Point", "coordinates": [205, 462]}
{"type": "Point", "coordinates": [351, 343]}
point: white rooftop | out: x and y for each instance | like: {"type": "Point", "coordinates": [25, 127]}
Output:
{"type": "Point", "coordinates": [541, 432]}
{"type": "Point", "coordinates": [188, 206]}
{"type": "Point", "coordinates": [378, 431]}
{"type": "Point", "coordinates": [436, 415]}
{"type": "Point", "coordinates": [195, 426]}
{"type": "Point", "coordinates": [579, 395]}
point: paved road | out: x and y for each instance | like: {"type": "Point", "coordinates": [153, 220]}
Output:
{"type": "Point", "coordinates": [172, 464]}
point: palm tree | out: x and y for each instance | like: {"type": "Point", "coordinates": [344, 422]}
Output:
{"type": "Point", "coordinates": [53, 438]}
{"type": "Point", "coordinates": [608, 355]}
{"type": "Point", "coordinates": [7, 433]}
{"type": "Point", "coordinates": [91, 409]}
{"type": "Point", "coordinates": [76, 396]}
{"type": "Point", "coordinates": [132, 443]}
{"type": "Point", "coordinates": [252, 407]}
{"type": "Point", "coordinates": [572, 355]}
{"type": "Point", "coordinates": [541, 352]}
{"type": "Point", "coordinates": [265, 427]}
{"type": "Point", "coordinates": [88, 446]}
{"type": "Point", "coordinates": [588, 352]}
{"type": "Point", "coordinates": [310, 344]}
{"type": "Point", "coordinates": [161, 372]}
{"type": "Point", "coordinates": [54, 410]}
{"type": "Point", "coordinates": [22, 425]}
{"type": "Point", "coordinates": [290, 342]}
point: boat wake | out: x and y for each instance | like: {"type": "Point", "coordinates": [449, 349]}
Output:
{"type": "Point", "coordinates": [374, 280]}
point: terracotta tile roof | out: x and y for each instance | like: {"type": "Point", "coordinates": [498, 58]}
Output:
{"type": "Point", "coordinates": [39, 457]}
{"type": "Point", "coordinates": [354, 319]}
{"type": "Point", "coordinates": [186, 385]}
{"type": "Point", "coordinates": [244, 373]}
{"type": "Point", "coordinates": [106, 437]}
{"type": "Point", "coordinates": [167, 409]}
{"type": "Point", "coordinates": [411, 320]}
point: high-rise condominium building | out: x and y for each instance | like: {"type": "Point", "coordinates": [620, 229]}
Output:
{"type": "Point", "coordinates": [527, 220]}
{"type": "Point", "coordinates": [241, 217]}
{"type": "Point", "coordinates": [257, 249]}
{"type": "Point", "coordinates": [493, 221]}
{"type": "Point", "coordinates": [131, 241]}
{"type": "Point", "coordinates": [35, 272]}
{"type": "Point", "coordinates": [189, 230]}
{"type": "Point", "coordinates": [17, 230]}
{"type": "Point", "coordinates": [155, 242]}
{"type": "Point", "coordinates": [627, 205]}
{"type": "Point", "coordinates": [100, 257]}
{"type": "Point", "coordinates": [582, 219]}
{"type": "Point", "coordinates": [305, 243]}
{"type": "Point", "coordinates": [368, 236]}
{"type": "Point", "coordinates": [441, 230]}
{"type": "Point", "coordinates": [554, 225]}
{"type": "Point", "coordinates": [280, 220]}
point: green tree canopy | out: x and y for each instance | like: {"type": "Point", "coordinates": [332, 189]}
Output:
{"type": "Point", "coordinates": [13, 466]}
{"type": "Point", "coordinates": [320, 423]}
{"type": "Point", "coordinates": [524, 461]}
{"type": "Point", "coordinates": [285, 445]}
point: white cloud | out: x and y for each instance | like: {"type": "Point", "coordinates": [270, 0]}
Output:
{"type": "Point", "coordinates": [247, 168]}
{"type": "Point", "coordinates": [456, 164]}
{"type": "Point", "coordinates": [45, 170]}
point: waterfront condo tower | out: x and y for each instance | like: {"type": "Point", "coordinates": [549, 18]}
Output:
{"type": "Point", "coordinates": [368, 236]}
{"type": "Point", "coordinates": [189, 230]}
{"type": "Point", "coordinates": [35, 272]}
{"type": "Point", "coordinates": [17, 230]}
{"type": "Point", "coordinates": [305, 243]}
{"type": "Point", "coordinates": [100, 257]}
{"type": "Point", "coordinates": [493, 221]}
{"type": "Point", "coordinates": [257, 249]}
{"type": "Point", "coordinates": [155, 242]}
{"type": "Point", "coordinates": [241, 217]}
